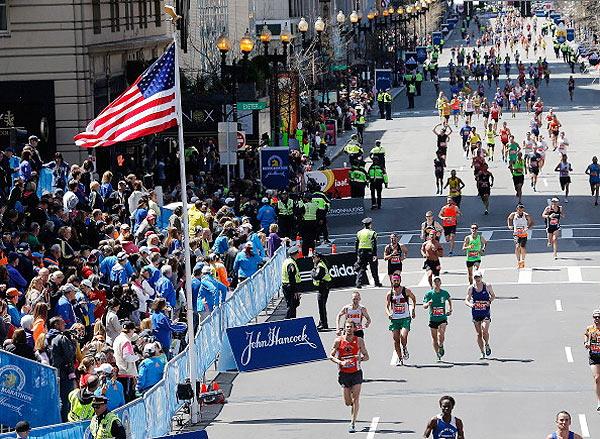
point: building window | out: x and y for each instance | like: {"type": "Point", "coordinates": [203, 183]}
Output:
{"type": "Point", "coordinates": [143, 13]}
{"type": "Point", "coordinates": [157, 13]}
{"type": "Point", "coordinates": [129, 17]}
{"type": "Point", "coordinates": [115, 16]}
{"type": "Point", "coordinates": [96, 17]}
{"type": "Point", "coordinates": [3, 16]}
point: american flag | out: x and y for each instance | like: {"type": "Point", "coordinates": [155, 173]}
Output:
{"type": "Point", "coordinates": [147, 107]}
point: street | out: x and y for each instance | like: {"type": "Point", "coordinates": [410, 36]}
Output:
{"type": "Point", "coordinates": [538, 364]}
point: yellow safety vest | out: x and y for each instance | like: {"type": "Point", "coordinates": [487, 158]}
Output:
{"type": "Point", "coordinates": [310, 211]}
{"type": "Point", "coordinates": [365, 239]}
{"type": "Point", "coordinates": [79, 411]}
{"type": "Point", "coordinates": [387, 98]}
{"type": "Point", "coordinates": [285, 209]}
{"type": "Point", "coordinates": [101, 430]}
{"type": "Point", "coordinates": [327, 277]}
{"type": "Point", "coordinates": [285, 279]}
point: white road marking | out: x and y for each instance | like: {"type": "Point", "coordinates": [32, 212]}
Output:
{"type": "Point", "coordinates": [529, 233]}
{"type": "Point", "coordinates": [525, 275]}
{"type": "Point", "coordinates": [487, 235]}
{"type": "Point", "coordinates": [566, 233]}
{"type": "Point", "coordinates": [574, 274]}
{"type": "Point", "coordinates": [558, 304]}
{"type": "Point", "coordinates": [394, 359]}
{"type": "Point", "coordinates": [545, 181]}
{"type": "Point", "coordinates": [585, 431]}
{"type": "Point", "coordinates": [569, 354]}
{"type": "Point", "coordinates": [405, 239]}
{"type": "Point", "coordinates": [424, 282]}
{"type": "Point", "coordinates": [373, 427]}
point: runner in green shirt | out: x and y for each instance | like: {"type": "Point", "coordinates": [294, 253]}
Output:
{"type": "Point", "coordinates": [512, 148]}
{"type": "Point", "coordinates": [435, 300]}
{"type": "Point", "coordinates": [474, 246]}
{"type": "Point", "coordinates": [517, 167]}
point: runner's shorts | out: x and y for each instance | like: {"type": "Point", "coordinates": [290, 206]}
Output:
{"type": "Point", "coordinates": [350, 379]}
{"type": "Point", "coordinates": [436, 324]}
{"type": "Point", "coordinates": [398, 324]}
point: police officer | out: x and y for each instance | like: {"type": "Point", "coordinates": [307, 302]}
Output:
{"type": "Point", "coordinates": [380, 104]}
{"type": "Point", "coordinates": [290, 279]}
{"type": "Point", "coordinates": [353, 149]}
{"type": "Point", "coordinates": [387, 101]}
{"type": "Point", "coordinates": [366, 252]}
{"type": "Point", "coordinates": [411, 90]}
{"type": "Point", "coordinates": [359, 179]}
{"type": "Point", "coordinates": [377, 178]}
{"type": "Point", "coordinates": [377, 154]}
{"type": "Point", "coordinates": [321, 279]}
{"type": "Point", "coordinates": [418, 81]}
{"type": "Point", "coordinates": [323, 204]}
{"type": "Point", "coordinates": [308, 224]}
{"type": "Point", "coordinates": [285, 215]}
{"type": "Point", "coordinates": [360, 123]}
{"type": "Point", "coordinates": [105, 424]}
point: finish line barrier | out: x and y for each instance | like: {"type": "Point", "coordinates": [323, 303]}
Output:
{"type": "Point", "coordinates": [151, 415]}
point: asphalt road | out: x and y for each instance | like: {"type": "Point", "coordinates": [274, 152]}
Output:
{"type": "Point", "coordinates": [538, 365]}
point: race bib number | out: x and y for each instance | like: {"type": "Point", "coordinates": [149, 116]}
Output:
{"type": "Point", "coordinates": [472, 253]}
{"type": "Point", "coordinates": [553, 221]}
{"type": "Point", "coordinates": [352, 364]}
{"type": "Point", "coordinates": [520, 231]}
{"type": "Point", "coordinates": [399, 308]}
{"type": "Point", "coordinates": [438, 311]}
{"type": "Point", "coordinates": [595, 348]}
{"type": "Point", "coordinates": [480, 306]}
{"type": "Point", "coordinates": [395, 259]}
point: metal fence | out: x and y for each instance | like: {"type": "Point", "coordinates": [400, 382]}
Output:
{"type": "Point", "coordinates": [150, 416]}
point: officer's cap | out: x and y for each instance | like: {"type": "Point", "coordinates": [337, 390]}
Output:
{"type": "Point", "coordinates": [367, 220]}
{"type": "Point", "coordinates": [99, 400]}
{"type": "Point", "coordinates": [293, 250]}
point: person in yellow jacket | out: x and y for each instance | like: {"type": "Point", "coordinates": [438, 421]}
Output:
{"type": "Point", "coordinates": [81, 401]}
{"type": "Point", "coordinates": [105, 424]}
{"type": "Point", "coordinates": [196, 219]}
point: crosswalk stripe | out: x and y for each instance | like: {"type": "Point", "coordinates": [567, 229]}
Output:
{"type": "Point", "coordinates": [566, 233]}
{"type": "Point", "coordinates": [373, 428]}
{"type": "Point", "coordinates": [394, 359]}
{"type": "Point", "coordinates": [529, 233]}
{"type": "Point", "coordinates": [558, 303]}
{"type": "Point", "coordinates": [405, 239]}
{"type": "Point", "coordinates": [569, 354]}
{"type": "Point", "coordinates": [424, 282]}
{"type": "Point", "coordinates": [585, 431]}
{"type": "Point", "coordinates": [574, 274]}
{"type": "Point", "coordinates": [487, 234]}
{"type": "Point", "coordinates": [525, 275]}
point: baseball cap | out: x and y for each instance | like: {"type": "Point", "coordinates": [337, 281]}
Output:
{"type": "Point", "coordinates": [477, 274]}
{"type": "Point", "coordinates": [13, 292]}
{"type": "Point", "coordinates": [34, 138]}
{"type": "Point", "coordinates": [104, 368]}
{"type": "Point", "coordinates": [521, 205]}
{"type": "Point", "coordinates": [206, 269]}
{"type": "Point", "coordinates": [122, 256]}
{"type": "Point", "coordinates": [86, 283]}
{"type": "Point", "coordinates": [151, 215]}
{"type": "Point", "coordinates": [596, 313]}
{"type": "Point", "coordinates": [293, 250]}
{"type": "Point", "coordinates": [22, 427]}
{"type": "Point", "coordinates": [265, 200]}
{"type": "Point", "coordinates": [125, 226]}
{"type": "Point", "coordinates": [555, 200]}
{"type": "Point", "coordinates": [229, 200]}
{"type": "Point", "coordinates": [23, 247]}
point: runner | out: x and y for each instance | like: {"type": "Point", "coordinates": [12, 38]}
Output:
{"type": "Point", "coordinates": [527, 147]}
{"type": "Point", "coordinates": [564, 168]}
{"type": "Point", "coordinates": [563, 423]}
{"type": "Point", "coordinates": [520, 222]}
{"type": "Point", "coordinates": [563, 143]}
{"type": "Point", "coordinates": [348, 352]}
{"type": "Point", "coordinates": [490, 136]}
{"type": "Point", "coordinates": [504, 138]}
{"type": "Point", "coordinates": [518, 170]}
{"type": "Point", "coordinates": [474, 245]}
{"type": "Point", "coordinates": [512, 149]}
{"type": "Point", "coordinates": [571, 87]}
{"type": "Point", "coordinates": [455, 186]}
{"type": "Point", "coordinates": [552, 215]}
{"type": "Point", "coordinates": [354, 312]}
{"type": "Point", "coordinates": [449, 214]}
{"type": "Point", "coordinates": [534, 169]}
{"type": "Point", "coordinates": [593, 170]}
{"type": "Point", "coordinates": [394, 253]}
{"type": "Point", "coordinates": [444, 425]}
{"type": "Point", "coordinates": [400, 314]}
{"type": "Point", "coordinates": [592, 344]}
{"type": "Point", "coordinates": [479, 298]}
{"type": "Point", "coordinates": [430, 225]}
{"type": "Point", "coordinates": [431, 250]}
{"type": "Point", "coordinates": [435, 300]}
{"type": "Point", "coordinates": [485, 181]}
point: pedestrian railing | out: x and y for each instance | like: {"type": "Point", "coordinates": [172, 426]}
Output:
{"type": "Point", "coordinates": [150, 416]}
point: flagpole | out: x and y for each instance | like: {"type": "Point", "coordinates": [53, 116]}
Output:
{"type": "Point", "coordinates": [192, 360]}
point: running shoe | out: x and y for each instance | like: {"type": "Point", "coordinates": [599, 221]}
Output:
{"type": "Point", "coordinates": [439, 358]}
{"type": "Point", "coordinates": [598, 408]}
{"type": "Point", "coordinates": [486, 212]}
{"type": "Point", "coordinates": [399, 362]}
{"type": "Point", "coordinates": [450, 254]}
{"type": "Point", "coordinates": [488, 350]}
{"type": "Point", "coordinates": [441, 351]}
{"type": "Point", "coordinates": [351, 428]}
{"type": "Point", "coordinates": [482, 356]}
{"type": "Point", "coordinates": [406, 355]}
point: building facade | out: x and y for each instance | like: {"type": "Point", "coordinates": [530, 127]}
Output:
{"type": "Point", "coordinates": [62, 62]}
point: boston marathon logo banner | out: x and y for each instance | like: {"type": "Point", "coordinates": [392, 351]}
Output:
{"type": "Point", "coordinates": [28, 391]}
{"type": "Point", "coordinates": [275, 344]}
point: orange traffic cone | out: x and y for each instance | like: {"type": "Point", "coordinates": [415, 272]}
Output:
{"type": "Point", "coordinates": [203, 388]}
{"type": "Point", "coordinates": [215, 386]}
{"type": "Point", "coordinates": [333, 249]}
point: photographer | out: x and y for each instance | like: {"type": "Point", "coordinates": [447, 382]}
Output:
{"type": "Point", "coordinates": [109, 386]}
{"type": "Point", "coordinates": [61, 350]}
{"type": "Point", "coordinates": [163, 327]}
{"type": "Point", "coordinates": [151, 368]}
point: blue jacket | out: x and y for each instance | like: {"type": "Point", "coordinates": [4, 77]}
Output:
{"type": "Point", "coordinates": [259, 249]}
{"type": "Point", "coordinates": [221, 245]}
{"type": "Point", "coordinates": [164, 288]}
{"type": "Point", "coordinates": [162, 327]}
{"type": "Point", "coordinates": [114, 393]}
{"type": "Point", "coordinates": [212, 291]}
{"type": "Point", "coordinates": [196, 284]}
{"type": "Point", "coordinates": [107, 264]}
{"type": "Point", "coordinates": [154, 276]}
{"type": "Point", "coordinates": [150, 373]}
{"type": "Point", "coordinates": [246, 266]}
{"type": "Point", "coordinates": [118, 275]}
{"type": "Point", "coordinates": [65, 310]}
{"type": "Point", "coordinates": [267, 216]}
{"type": "Point", "coordinates": [15, 315]}
{"type": "Point", "coordinates": [16, 279]}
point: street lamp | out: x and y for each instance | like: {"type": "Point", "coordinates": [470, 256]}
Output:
{"type": "Point", "coordinates": [286, 38]}
{"type": "Point", "coordinates": [354, 17]}
{"type": "Point", "coordinates": [265, 38]}
{"type": "Point", "coordinates": [340, 18]}
{"type": "Point", "coordinates": [224, 46]}
{"type": "Point", "coordinates": [303, 28]}
{"type": "Point", "coordinates": [246, 44]}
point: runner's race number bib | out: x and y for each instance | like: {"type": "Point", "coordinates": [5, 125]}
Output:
{"type": "Point", "coordinates": [480, 305]}
{"type": "Point", "coordinates": [438, 311]}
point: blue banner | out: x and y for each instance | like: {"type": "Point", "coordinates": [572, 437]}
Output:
{"type": "Point", "coordinates": [436, 38]}
{"type": "Point", "coordinates": [383, 79]}
{"type": "Point", "coordinates": [274, 167]}
{"type": "Point", "coordinates": [421, 52]}
{"type": "Point", "coordinates": [28, 391]}
{"type": "Point", "coordinates": [275, 344]}
{"type": "Point", "coordinates": [570, 34]}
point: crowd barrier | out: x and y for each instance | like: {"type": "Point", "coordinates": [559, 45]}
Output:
{"type": "Point", "coordinates": [151, 415]}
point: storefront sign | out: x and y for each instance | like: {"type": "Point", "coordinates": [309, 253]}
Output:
{"type": "Point", "coordinates": [334, 182]}
{"type": "Point", "coordinates": [275, 344]}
